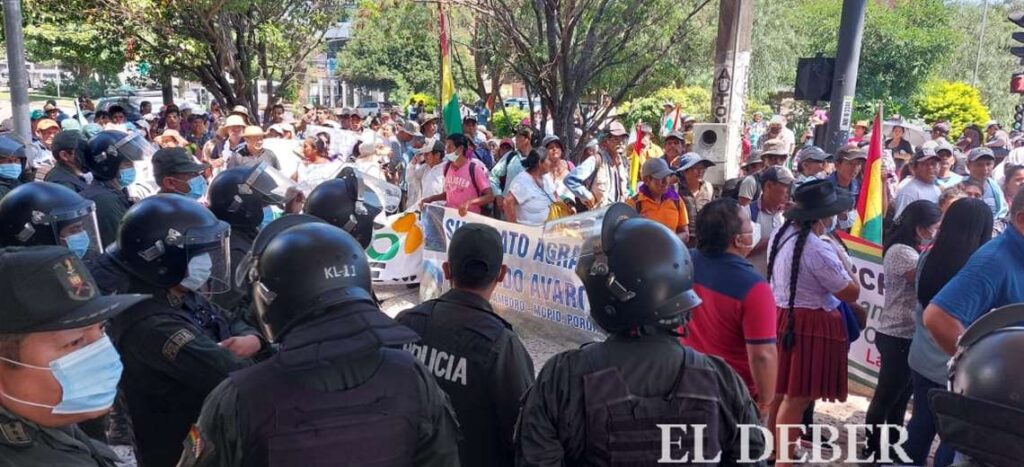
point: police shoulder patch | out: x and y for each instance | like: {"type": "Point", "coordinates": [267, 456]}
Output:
{"type": "Point", "coordinates": [195, 447]}
{"type": "Point", "coordinates": [14, 433]}
{"type": "Point", "coordinates": [176, 342]}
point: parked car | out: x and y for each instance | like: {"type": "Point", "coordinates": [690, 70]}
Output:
{"type": "Point", "coordinates": [370, 109]}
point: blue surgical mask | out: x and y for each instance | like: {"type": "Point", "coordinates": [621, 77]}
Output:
{"type": "Point", "coordinates": [88, 378]}
{"type": "Point", "coordinates": [12, 171]}
{"type": "Point", "coordinates": [78, 243]}
{"type": "Point", "coordinates": [196, 187]}
{"type": "Point", "coordinates": [268, 216]}
{"type": "Point", "coordinates": [126, 176]}
{"type": "Point", "coordinates": [200, 268]}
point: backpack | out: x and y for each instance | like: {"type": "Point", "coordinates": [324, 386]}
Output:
{"type": "Point", "coordinates": [485, 210]}
{"type": "Point", "coordinates": [731, 188]}
{"type": "Point", "coordinates": [578, 205]}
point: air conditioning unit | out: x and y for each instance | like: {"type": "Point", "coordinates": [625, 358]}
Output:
{"type": "Point", "coordinates": [712, 142]}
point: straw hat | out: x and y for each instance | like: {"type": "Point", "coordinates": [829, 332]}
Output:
{"type": "Point", "coordinates": [231, 121]}
{"type": "Point", "coordinates": [253, 131]}
{"type": "Point", "coordinates": [171, 134]}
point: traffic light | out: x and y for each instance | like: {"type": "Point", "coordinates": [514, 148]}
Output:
{"type": "Point", "coordinates": [1017, 18]}
{"type": "Point", "coordinates": [1018, 117]}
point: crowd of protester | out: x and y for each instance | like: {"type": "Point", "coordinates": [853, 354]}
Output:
{"type": "Point", "coordinates": [780, 303]}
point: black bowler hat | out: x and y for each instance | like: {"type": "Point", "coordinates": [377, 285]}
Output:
{"type": "Point", "coordinates": [818, 199]}
{"type": "Point", "coordinates": [47, 288]}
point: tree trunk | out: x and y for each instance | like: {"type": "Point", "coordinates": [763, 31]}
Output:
{"type": "Point", "coordinates": [166, 89]}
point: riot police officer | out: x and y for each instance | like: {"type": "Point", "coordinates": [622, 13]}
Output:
{"type": "Point", "coordinates": [12, 164]}
{"type": "Point", "coordinates": [638, 277]}
{"type": "Point", "coordinates": [43, 213]}
{"type": "Point", "coordinates": [346, 203]}
{"type": "Point", "coordinates": [982, 417]}
{"type": "Point", "coordinates": [111, 158]}
{"type": "Point", "coordinates": [475, 355]}
{"type": "Point", "coordinates": [336, 393]}
{"type": "Point", "coordinates": [57, 368]}
{"type": "Point", "coordinates": [176, 346]}
{"type": "Point", "coordinates": [245, 198]}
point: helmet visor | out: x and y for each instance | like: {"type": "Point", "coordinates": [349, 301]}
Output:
{"type": "Point", "coordinates": [271, 184]}
{"type": "Point", "coordinates": [387, 194]}
{"type": "Point", "coordinates": [594, 230]}
{"type": "Point", "coordinates": [209, 262]}
{"type": "Point", "coordinates": [134, 147]}
{"type": "Point", "coordinates": [77, 230]}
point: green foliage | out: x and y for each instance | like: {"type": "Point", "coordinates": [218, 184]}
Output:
{"type": "Point", "coordinates": [429, 100]}
{"type": "Point", "coordinates": [753, 106]}
{"type": "Point", "coordinates": [76, 87]}
{"type": "Point", "coordinates": [956, 102]}
{"type": "Point", "coordinates": [505, 122]}
{"type": "Point", "coordinates": [63, 30]}
{"type": "Point", "coordinates": [692, 100]}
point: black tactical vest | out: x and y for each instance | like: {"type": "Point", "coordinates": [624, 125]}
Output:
{"type": "Point", "coordinates": [457, 348]}
{"type": "Point", "coordinates": [374, 423]}
{"type": "Point", "coordinates": [622, 428]}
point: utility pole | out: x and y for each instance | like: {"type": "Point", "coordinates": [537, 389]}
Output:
{"type": "Point", "coordinates": [981, 41]}
{"type": "Point", "coordinates": [17, 75]}
{"type": "Point", "coordinates": [844, 81]}
{"type": "Point", "coordinates": [732, 62]}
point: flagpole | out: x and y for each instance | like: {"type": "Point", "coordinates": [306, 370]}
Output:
{"type": "Point", "coordinates": [440, 67]}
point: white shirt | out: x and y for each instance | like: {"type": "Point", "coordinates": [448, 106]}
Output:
{"type": "Point", "coordinates": [914, 190]}
{"type": "Point", "coordinates": [432, 183]}
{"type": "Point", "coordinates": [315, 174]}
{"type": "Point", "coordinates": [532, 202]}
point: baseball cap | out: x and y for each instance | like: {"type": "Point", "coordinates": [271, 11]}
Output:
{"type": "Point", "coordinates": [66, 140]}
{"type": "Point", "coordinates": [37, 114]}
{"type": "Point", "coordinates": [851, 152]}
{"type": "Point", "coordinates": [978, 153]}
{"type": "Point", "coordinates": [774, 147]}
{"type": "Point", "coordinates": [925, 152]}
{"type": "Point", "coordinates": [48, 288]}
{"type": "Point", "coordinates": [944, 146]}
{"type": "Point", "coordinates": [48, 107]}
{"type": "Point", "coordinates": [677, 135]}
{"type": "Point", "coordinates": [411, 128]}
{"type": "Point", "coordinates": [813, 153]}
{"type": "Point", "coordinates": [753, 158]}
{"type": "Point", "coordinates": [691, 159]}
{"type": "Point", "coordinates": [168, 161]}
{"type": "Point", "coordinates": [777, 174]}
{"type": "Point", "coordinates": [616, 129]}
{"type": "Point", "coordinates": [656, 168]}
{"type": "Point", "coordinates": [46, 124]}
{"type": "Point", "coordinates": [475, 250]}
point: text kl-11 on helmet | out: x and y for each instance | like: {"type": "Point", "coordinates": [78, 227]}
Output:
{"type": "Point", "coordinates": [636, 272]}
{"type": "Point", "coordinates": [240, 196]}
{"type": "Point", "coordinates": [304, 270]}
{"type": "Point", "coordinates": [982, 414]}
{"type": "Point", "coordinates": [346, 203]}
{"type": "Point", "coordinates": [41, 213]}
{"type": "Point", "coordinates": [166, 239]}
{"type": "Point", "coordinates": [109, 149]}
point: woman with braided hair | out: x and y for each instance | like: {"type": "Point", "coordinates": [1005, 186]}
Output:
{"type": "Point", "coordinates": [809, 281]}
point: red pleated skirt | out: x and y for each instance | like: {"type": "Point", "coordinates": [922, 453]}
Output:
{"type": "Point", "coordinates": [815, 367]}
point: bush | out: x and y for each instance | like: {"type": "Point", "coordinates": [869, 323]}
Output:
{"type": "Point", "coordinates": [429, 101]}
{"type": "Point", "coordinates": [694, 101]}
{"type": "Point", "coordinates": [505, 122]}
{"type": "Point", "coordinates": [72, 87]}
{"type": "Point", "coordinates": [956, 102]}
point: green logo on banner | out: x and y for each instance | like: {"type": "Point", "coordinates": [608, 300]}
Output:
{"type": "Point", "coordinates": [389, 253]}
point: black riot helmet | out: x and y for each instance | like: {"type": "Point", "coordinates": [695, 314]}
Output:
{"type": "Point", "coordinates": [166, 240]}
{"type": "Point", "coordinates": [304, 270]}
{"type": "Point", "coordinates": [982, 414]}
{"type": "Point", "coordinates": [241, 196]}
{"type": "Point", "coordinates": [346, 203]}
{"type": "Point", "coordinates": [42, 213]}
{"type": "Point", "coordinates": [10, 147]}
{"type": "Point", "coordinates": [109, 149]}
{"type": "Point", "coordinates": [636, 272]}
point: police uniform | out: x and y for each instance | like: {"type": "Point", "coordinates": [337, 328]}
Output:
{"type": "Point", "coordinates": [602, 404]}
{"type": "Point", "coordinates": [171, 362]}
{"type": "Point", "coordinates": [237, 301]}
{"type": "Point", "coordinates": [337, 393]}
{"type": "Point", "coordinates": [111, 205]}
{"type": "Point", "coordinates": [589, 397]}
{"type": "Point", "coordinates": [479, 361]}
{"type": "Point", "coordinates": [61, 175]}
{"type": "Point", "coordinates": [73, 301]}
{"type": "Point", "coordinates": [238, 426]}
{"type": "Point", "coordinates": [23, 443]}
{"type": "Point", "coordinates": [8, 184]}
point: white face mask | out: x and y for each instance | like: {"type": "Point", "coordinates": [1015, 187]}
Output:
{"type": "Point", "coordinates": [755, 234]}
{"type": "Point", "coordinates": [451, 157]}
{"type": "Point", "coordinates": [199, 270]}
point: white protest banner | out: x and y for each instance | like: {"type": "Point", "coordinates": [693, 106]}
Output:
{"type": "Point", "coordinates": [541, 284]}
{"type": "Point", "coordinates": [341, 141]}
{"type": "Point", "coordinates": [284, 149]}
{"type": "Point", "coordinates": [864, 361]}
{"type": "Point", "coordinates": [396, 253]}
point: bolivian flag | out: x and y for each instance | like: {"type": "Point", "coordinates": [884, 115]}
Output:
{"type": "Point", "coordinates": [450, 114]}
{"type": "Point", "coordinates": [869, 202]}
